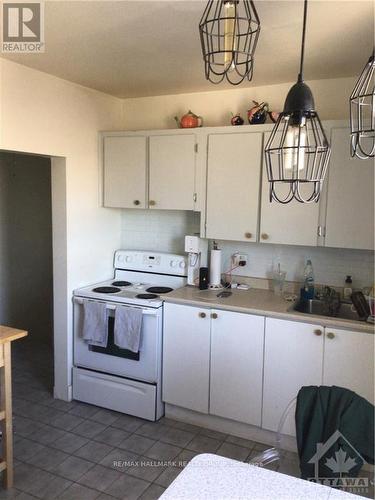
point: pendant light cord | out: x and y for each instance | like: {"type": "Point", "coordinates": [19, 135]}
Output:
{"type": "Point", "coordinates": [300, 75]}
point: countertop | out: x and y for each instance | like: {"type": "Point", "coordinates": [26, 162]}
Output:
{"type": "Point", "coordinates": [211, 477]}
{"type": "Point", "coordinates": [259, 302]}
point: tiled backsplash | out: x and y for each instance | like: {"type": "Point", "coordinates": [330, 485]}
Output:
{"type": "Point", "coordinates": [331, 265]}
{"type": "Point", "coordinates": [165, 231]}
{"type": "Point", "coordinates": [157, 230]}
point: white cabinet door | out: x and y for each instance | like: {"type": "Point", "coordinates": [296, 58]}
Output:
{"type": "Point", "coordinates": [291, 224]}
{"type": "Point", "coordinates": [237, 342]}
{"type": "Point", "coordinates": [172, 172]}
{"type": "Point", "coordinates": [233, 183]}
{"type": "Point", "coordinates": [350, 199]}
{"type": "Point", "coordinates": [124, 160]}
{"type": "Point", "coordinates": [293, 358]}
{"type": "Point", "coordinates": [349, 361]}
{"type": "Point", "coordinates": [186, 356]}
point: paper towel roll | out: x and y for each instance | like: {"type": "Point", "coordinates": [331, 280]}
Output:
{"type": "Point", "coordinates": [215, 268]}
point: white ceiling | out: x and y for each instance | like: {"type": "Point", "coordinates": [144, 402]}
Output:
{"type": "Point", "coordinates": [141, 48]}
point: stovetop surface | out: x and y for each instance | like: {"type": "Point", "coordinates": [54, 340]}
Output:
{"type": "Point", "coordinates": [147, 293]}
{"type": "Point", "coordinates": [140, 278]}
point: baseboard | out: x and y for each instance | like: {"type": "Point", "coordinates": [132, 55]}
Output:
{"type": "Point", "coordinates": [227, 426]}
{"type": "Point", "coordinates": [64, 393]}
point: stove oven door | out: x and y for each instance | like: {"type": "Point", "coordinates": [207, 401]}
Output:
{"type": "Point", "coordinates": [144, 365]}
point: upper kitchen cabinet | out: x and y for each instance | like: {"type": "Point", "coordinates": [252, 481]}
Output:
{"type": "Point", "coordinates": [291, 224]}
{"type": "Point", "coordinates": [233, 183]}
{"type": "Point", "coordinates": [172, 172]}
{"type": "Point", "coordinates": [124, 170]}
{"type": "Point", "coordinates": [350, 198]}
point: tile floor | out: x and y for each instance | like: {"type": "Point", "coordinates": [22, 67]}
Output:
{"type": "Point", "coordinates": [77, 451]}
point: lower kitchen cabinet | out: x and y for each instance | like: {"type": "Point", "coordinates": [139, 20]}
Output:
{"type": "Point", "coordinates": [186, 356]}
{"type": "Point", "coordinates": [293, 357]}
{"type": "Point", "coordinates": [237, 342]}
{"type": "Point", "coordinates": [213, 362]}
{"type": "Point", "coordinates": [249, 368]}
{"type": "Point", "coordinates": [349, 361]}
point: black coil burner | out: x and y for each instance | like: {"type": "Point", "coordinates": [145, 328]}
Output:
{"type": "Point", "coordinates": [146, 296]}
{"type": "Point", "coordinates": [159, 289]}
{"type": "Point", "coordinates": [106, 289]}
{"type": "Point", "coordinates": [121, 283]}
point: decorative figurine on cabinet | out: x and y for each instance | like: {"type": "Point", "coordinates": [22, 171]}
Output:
{"type": "Point", "coordinates": [190, 120]}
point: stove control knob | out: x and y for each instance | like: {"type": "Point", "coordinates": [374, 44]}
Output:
{"type": "Point", "coordinates": [173, 263]}
{"type": "Point", "coordinates": [182, 264]}
{"type": "Point", "coordinates": [120, 258]}
{"type": "Point", "coordinates": [128, 258]}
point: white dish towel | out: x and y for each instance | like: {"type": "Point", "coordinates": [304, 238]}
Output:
{"type": "Point", "coordinates": [95, 328]}
{"type": "Point", "coordinates": [128, 325]}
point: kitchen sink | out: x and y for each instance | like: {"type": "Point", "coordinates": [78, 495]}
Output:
{"type": "Point", "coordinates": [322, 308]}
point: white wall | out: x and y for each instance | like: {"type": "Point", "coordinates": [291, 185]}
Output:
{"type": "Point", "coordinates": [43, 114]}
{"type": "Point", "coordinates": [26, 298]}
{"type": "Point", "coordinates": [331, 100]}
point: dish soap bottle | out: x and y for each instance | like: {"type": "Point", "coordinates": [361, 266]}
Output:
{"type": "Point", "coordinates": [348, 290]}
{"type": "Point", "coordinates": [308, 274]}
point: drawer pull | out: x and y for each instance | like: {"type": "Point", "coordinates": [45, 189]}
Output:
{"type": "Point", "coordinates": [214, 316]}
{"type": "Point", "coordinates": [318, 332]}
{"type": "Point", "coordinates": [330, 335]}
{"type": "Point", "coordinates": [248, 235]}
{"type": "Point", "coordinates": [264, 236]}
{"type": "Point", "coordinates": [136, 202]}
{"type": "Point", "coordinates": [152, 203]}
{"type": "Point", "coordinates": [202, 315]}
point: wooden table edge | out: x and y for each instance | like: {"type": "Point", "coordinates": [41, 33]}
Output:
{"type": "Point", "coordinates": [8, 334]}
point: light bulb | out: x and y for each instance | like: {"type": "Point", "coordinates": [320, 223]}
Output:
{"type": "Point", "coordinates": [295, 155]}
{"type": "Point", "coordinates": [229, 34]}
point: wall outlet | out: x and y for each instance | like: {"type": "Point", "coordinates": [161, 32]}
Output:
{"type": "Point", "coordinates": [239, 259]}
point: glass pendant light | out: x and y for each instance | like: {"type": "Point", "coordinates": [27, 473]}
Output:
{"type": "Point", "coordinates": [297, 151]}
{"type": "Point", "coordinates": [229, 31]}
{"type": "Point", "coordinates": [362, 113]}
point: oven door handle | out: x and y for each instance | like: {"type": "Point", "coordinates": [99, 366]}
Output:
{"type": "Point", "coordinates": [148, 312]}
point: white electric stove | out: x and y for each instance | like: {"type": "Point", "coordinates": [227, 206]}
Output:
{"type": "Point", "coordinates": [117, 378]}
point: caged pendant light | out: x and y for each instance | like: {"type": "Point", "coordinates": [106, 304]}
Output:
{"type": "Point", "coordinates": [362, 113]}
{"type": "Point", "coordinates": [297, 151]}
{"type": "Point", "coordinates": [229, 31]}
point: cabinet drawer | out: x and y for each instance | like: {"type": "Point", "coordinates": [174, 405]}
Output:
{"type": "Point", "coordinates": [115, 393]}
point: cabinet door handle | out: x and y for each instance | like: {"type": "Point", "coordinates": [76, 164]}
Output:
{"type": "Point", "coordinates": [248, 235]}
{"type": "Point", "coordinates": [214, 316]}
{"type": "Point", "coordinates": [202, 315]}
{"type": "Point", "coordinates": [136, 202]}
{"type": "Point", "coordinates": [152, 203]}
{"type": "Point", "coordinates": [264, 236]}
{"type": "Point", "coordinates": [318, 332]}
{"type": "Point", "coordinates": [330, 335]}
